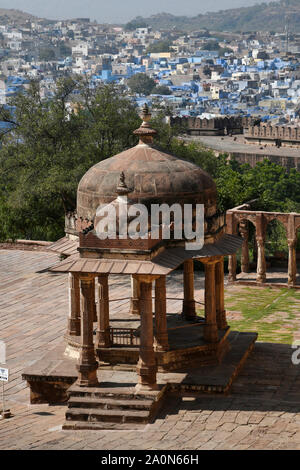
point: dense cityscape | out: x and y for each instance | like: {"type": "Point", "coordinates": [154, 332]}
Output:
{"type": "Point", "coordinates": [201, 73]}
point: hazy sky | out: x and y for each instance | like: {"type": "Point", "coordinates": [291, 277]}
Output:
{"type": "Point", "coordinates": [119, 10]}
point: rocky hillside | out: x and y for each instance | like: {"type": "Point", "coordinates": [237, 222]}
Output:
{"type": "Point", "coordinates": [264, 16]}
{"type": "Point", "coordinates": [18, 16]}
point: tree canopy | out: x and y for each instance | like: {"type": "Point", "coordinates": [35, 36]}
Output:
{"type": "Point", "coordinates": [47, 53]}
{"type": "Point", "coordinates": [134, 24]}
{"type": "Point", "coordinates": [141, 83]}
{"type": "Point", "coordinates": [49, 148]}
{"type": "Point", "coordinates": [211, 46]}
{"type": "Point", "coordinates": [161, 90]}
{"type": "Point", "coordinates": [49, 144]}
{"type": "Point", "coordinates": [160, 46]}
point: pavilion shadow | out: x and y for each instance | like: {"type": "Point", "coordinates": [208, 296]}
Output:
{"type": "Point", "coordinates": [269, 381]}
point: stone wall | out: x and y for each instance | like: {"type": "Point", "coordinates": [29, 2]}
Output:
{"type": "Point", "coordinates": [273, 135]}
{"type": "Point", "coordinates": [215, 126]}
{"type": "Point", "coordinates": [253, 158]}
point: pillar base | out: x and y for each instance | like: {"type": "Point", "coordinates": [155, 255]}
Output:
{"type": "Point", "coordinates": [87, 376]}
{"type": "Point", "coordinates": [146, 388]}
{"type": "Point", "coordinates": [221, 320]}
{"type": "Point", "coordinates": [245, 269]}
{"type": "Point", "coordinates": [162, 345]}
{"type": "Point", "coordinates": [103, 339]}
{"type": "Point", "coordinates": [189, 310]}
{"type": "Point", "coordinates": [211, 333]}
{"type": "Point", "coordinates": [146, 375]}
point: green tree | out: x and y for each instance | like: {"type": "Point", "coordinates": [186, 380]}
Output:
{"type": "Point", "coordinates": [47, 54]}
{"type": "Point", "coordinates": [134, 24]}
{"type": "Point", "coordinates": [162, 90]}
{"type": "Point", "coordinates": [225, 50]}
{"type": "Point", "coordinates": [211, 46]}
{"type": "Point", "coordinates": [64, 50]}
{"type": "Point", "coordinates": [49, 149]}
{"type": "Point", "coordinates": [141, 83]}
{"type": "Point", "coordinates": [160, 46]}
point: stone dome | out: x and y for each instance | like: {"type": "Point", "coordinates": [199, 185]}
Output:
{"type": "Point", "coordinates": [151, 176]}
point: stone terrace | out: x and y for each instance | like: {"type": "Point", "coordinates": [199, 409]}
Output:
{"type": "Point", "coordinates": [262, 410]}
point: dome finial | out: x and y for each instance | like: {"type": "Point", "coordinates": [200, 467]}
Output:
{"type": "Point", "coordinates": [146, 115]}
{"type": "Point", "coordinates": [145, 132]}
{"type": "Point", "coordinates": [122, 187]}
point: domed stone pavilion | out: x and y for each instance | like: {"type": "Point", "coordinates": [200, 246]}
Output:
{"type": "Point", "coordinates": [156, 341]}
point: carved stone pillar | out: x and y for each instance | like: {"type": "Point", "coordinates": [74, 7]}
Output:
{"type": "Point", "coordinates": [210, 327]}
{"type": "Point", "coordinates": [146, 367]}
{"type": "Point", "coordinates": [161, 337]}
{"type": "Point", "coordinates": [74, 305]}
{"type": "Point", "coordinates": [245, 247]}
{"type": "Point", "coordinates": [292, 266]}
{"type": "Point", "coordinates": [231, 228]}
{"type": "Point", "coordinates": [260, 224]}
{"type": "Point", "coordinates": [232, 268]}
{"type": "Point", "coordinates": [220, 309]}
{"type": "Point", "coordinates": [94, 302]}
{"type": "Point", "coordinates": [102, 334]}
{"type": "Point", "coordinates": [188, 308]}
{"type": "Point", "coordinates": [261, 260]}
{"type": "Point", "coordinates": [88, 365]}
{"type": "Point", "coordinates": [135, 294]}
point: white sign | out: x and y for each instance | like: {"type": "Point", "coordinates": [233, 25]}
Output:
{"type": "Point", "coordinates": [3, 375]}
{"type": "Point", "coordinates": [2, 352]}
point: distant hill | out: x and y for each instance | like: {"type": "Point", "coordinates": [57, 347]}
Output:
{"type": "Point", "coordinates": [260, 17]}
{"type": "Point", "coordinates": [19, 16]}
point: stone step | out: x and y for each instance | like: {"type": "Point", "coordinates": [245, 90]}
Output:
{"type": "Point", "coordinates": [95, 426]}
{"type": "Point", "coordinates": [111, 416]}
{"type": "Point", "coordinates": [126, 393]}
{"type": "Point", "coordinates": [118, 367]}
{"type": "Point", "coordinates": [109, 403]}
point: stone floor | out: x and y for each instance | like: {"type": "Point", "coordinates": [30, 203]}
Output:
{"type": "Point", "coordinates": [236, 144]}
{"type": "Point", "coordinates": [261, 412]}
{"type": "Point", "coordinates": [274, 276]}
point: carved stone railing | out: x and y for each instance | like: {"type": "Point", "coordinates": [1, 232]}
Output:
{"type": "Point", "coordinates": [124, 337]}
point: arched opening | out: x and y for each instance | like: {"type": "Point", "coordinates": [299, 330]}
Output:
{"type": "Point", "coordinates": [276, 252]}
{"type": "Point", "coordinates": [247, 254]}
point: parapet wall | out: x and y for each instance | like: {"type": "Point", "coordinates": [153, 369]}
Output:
{"type": "Point", "coordinates": [286, 136]}
{"type": "Point", "coordinates": [253, 158]}
{"type": "Point", "coordinates": [215, 126]}
{"type": "Point", "coordinates": [253, 130]}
